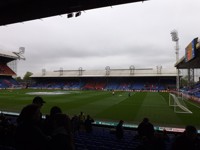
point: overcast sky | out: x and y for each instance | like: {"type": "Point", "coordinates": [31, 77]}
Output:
{"type": "Point", "coordinates": [119, 36]}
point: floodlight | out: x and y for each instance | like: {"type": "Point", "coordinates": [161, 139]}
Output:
{"type": "Point", "coordinates": [174, 35]}
{"type": "Point", "coordinates": [70, 15]}
{"type": "Point", "coordinates": [21, 50]}
{"type": "Point", "coordinates": [20, 53]}
{"type": "Point", "coordinates": [78, 14]}
{"type": "Point", "coordinates": [175, 38]}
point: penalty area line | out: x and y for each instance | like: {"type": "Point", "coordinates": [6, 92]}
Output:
{"type": "Point", "coordinates": [191, 103]}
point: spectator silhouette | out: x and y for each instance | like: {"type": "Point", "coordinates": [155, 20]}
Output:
{"type": "Point", "coordinates": [75, 123]}
{"type": "Point", "coordinates": [81, 120]}
{"type": "Point", "coordinates": [88, 124]}
{"type": "Point", "coordinates": [28, 135]}
{"type": "Point", "coordinates": [146, 129]}
{"type": "Point", "coordinates": [7, 129]}
{"type": "Point", "coordinates": [120, 130]}
{"type": "Point", "coordinates": [38, 101]}
{"type": "Point", "coordinates": [62, 135]}
{"type": "Point", "coordinates": [188, 140]}
{"type": "Point", "coordinates": [49, 121]}
{"type": "Point", "coordinates": [158, 142]}
{"type": "Point", "coordinates": [55, 110]}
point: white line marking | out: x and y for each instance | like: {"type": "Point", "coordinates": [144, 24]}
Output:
{"type": "Point", "coordinates": [192, 103]}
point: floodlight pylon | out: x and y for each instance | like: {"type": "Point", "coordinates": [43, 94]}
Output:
{"type": "Point", "coordinates": [175, 38]}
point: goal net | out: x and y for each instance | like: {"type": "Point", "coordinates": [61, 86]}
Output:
{"type": "Point", "coordinates": [178, 104]}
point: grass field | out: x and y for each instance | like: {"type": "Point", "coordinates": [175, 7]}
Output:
{"type": "Point", "coordinates": [102, 105]}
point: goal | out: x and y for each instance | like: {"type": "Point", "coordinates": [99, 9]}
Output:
{"type": "Point", "coordinates": [178, 104]}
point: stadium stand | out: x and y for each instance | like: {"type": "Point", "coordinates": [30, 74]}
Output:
{"type": "Point", "coordinates": [8, 82]}
{"type": "Point", "coordinates": [117, 79]}
{"type": "Point", "coordinates": [193, 90]}
{"type": "Point", "coordinates": [6, 73]}
{"type": "Point", "coordinates": [190, 64]}
{"type": "Point", "coordinates": [100, 85]}
{"type": "Point", "coordinates": [90, 85]}
{"type": "Point", "coordinates": [101, 138]}
{"type": "Point", "coordinates": [112, 83]}
{"type": "Point", "coordinates": [5, 70]}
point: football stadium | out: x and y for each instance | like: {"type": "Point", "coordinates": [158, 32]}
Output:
{"type": "Point", "coordinates": [108, 96]}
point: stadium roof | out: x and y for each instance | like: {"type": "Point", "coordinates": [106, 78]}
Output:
{"type": "Point", "coordinates": [13, 11]}
{"type": "Point", "coordinates": [7, 56]}
{"type": "Point", "coordinates": [194, 63]}
{"type": "Point", "coordinates": [110, 73]}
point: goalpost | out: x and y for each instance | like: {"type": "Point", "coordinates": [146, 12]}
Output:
{"type": "Point", "coordinates": [178, 104]}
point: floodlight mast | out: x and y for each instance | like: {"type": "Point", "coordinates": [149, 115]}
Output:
{"type": "Point", "coordinates": [20, 53]}
{"type": "Point", "coordinates": [19, 56]}
{"type": "Point", "coordinates": [175, 38]}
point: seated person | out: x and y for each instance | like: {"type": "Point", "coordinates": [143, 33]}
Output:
{"type": "Point", "coordinates": [146, 129]}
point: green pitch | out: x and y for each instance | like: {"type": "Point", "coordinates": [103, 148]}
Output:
{"type": "Point", "coordinates": [102, 105]}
